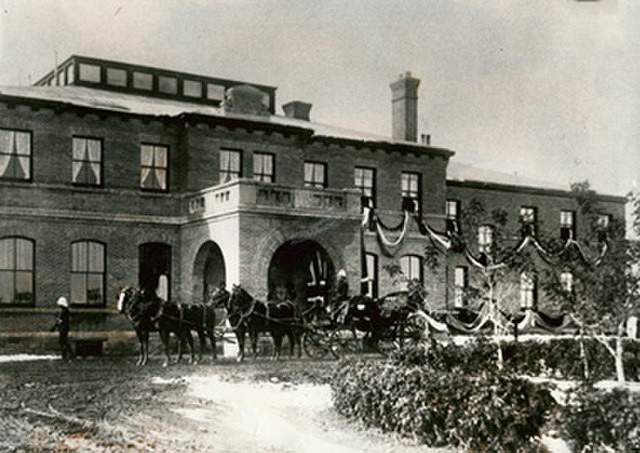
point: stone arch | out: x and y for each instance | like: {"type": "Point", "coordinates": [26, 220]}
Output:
{"type": "Point", "coordinates": [299, 270]}
{"type": "Point", "coordinates": [209, 270]}
{"type": "Point", "coordinates": [275, 238]}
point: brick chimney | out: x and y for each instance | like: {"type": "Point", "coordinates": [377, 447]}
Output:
{"type": "Point", "coordinates": [404, 108]}
{"type": "Point", "coordinates": [297, 109]}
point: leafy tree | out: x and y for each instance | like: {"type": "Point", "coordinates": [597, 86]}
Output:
{"type": "Point", "coordinates": [497, 262]}
{"type": "Point", "coordinates": [604, 290]}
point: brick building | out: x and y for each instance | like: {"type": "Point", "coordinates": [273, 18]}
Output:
{"type": "Point", "coordinates": [114, 174]}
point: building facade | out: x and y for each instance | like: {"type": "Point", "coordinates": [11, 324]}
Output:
{"type": "Point", "coordinates": [114, 174]}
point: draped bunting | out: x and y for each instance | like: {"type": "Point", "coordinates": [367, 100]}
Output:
{"type": "Point", "coordinates": [387, 244]}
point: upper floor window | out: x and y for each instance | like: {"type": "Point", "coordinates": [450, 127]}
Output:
{"type": "Point", "coordinates": [365, 180]}
{"type": "Point", "coordinates": [142, 80]}
{"type": "Point", "coordinates": [86, 164]}
{"type": "Point", "coordinates": [603, 220]}
{"type": "Point", "coordinates": [452, 214]}
{"type": "Point", "coordinates": [529, 220]}
{"type": "Point", "coordinates": [528, 291]}
{"type": "Point", "coordinates": [90, 73]}
{"type": "Point", "coordinates": [117, 77]}
{"type": "Point", "coordinates": [16, 271]}
{"type": "Point", "coordinates": [263, 167]}
{"type": "Point", "coordinates": [411, 191]}
{"type": "Point", "coordinates": [411, 267]}
{"type": "Point", "coordinates": [192, 88]}
{"type": "Point", "coordinates": [315, 174]}
{"type": "Point", "coordinates": [230, 165]}
{"type": "Point", "coordinates": [461, 282]}
{"type": "Point", "coordinates": [87, 273]}
{"type": "Point", "coordinates": [154, 167]}
{"type": "Point", "coordinates": [567, 225]}
{"type": "Point", "coordinates": [167, 85]}
{"type": "Point", "coordinates": [485, 238]}
{"type": "Point", "coordinates": [15, 155]}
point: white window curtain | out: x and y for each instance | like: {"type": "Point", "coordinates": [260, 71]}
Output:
{"type": "Point", "coordinates": [15, 154]}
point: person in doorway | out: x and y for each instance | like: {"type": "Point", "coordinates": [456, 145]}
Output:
{"type": "Point", "coordinates": [342, 297]}
{"type": "Point", "coordinates": [62, 324]}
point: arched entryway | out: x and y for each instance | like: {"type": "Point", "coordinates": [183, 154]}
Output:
{"type": "Point", "coordinates": [208, 270]}
{"type": "Point", "coordinates": [154, 275]}
{"type": "Point", "coordinates": [303, 268]}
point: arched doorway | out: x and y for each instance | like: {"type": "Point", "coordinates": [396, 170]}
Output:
{"type": "Point", "coordinates": [208, 270]}
{"type": "Point", "coordinates": [303, 268]}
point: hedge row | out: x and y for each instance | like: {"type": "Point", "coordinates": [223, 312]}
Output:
{"type": "Point", "coordinates": [487, 412]}
{"type": "Point", "coordinates": [558, 357]}
{"type": "Point", "coordinates": [601, 420]}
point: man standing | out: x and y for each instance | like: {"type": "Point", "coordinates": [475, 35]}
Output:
{"type": "Point", "coordinates": [342, 297]}
{"type": "Point", "coordinates": [62, 324]}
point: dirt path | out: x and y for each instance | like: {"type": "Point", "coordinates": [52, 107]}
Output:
{"type": "Point", "coordinates": [111, 405]}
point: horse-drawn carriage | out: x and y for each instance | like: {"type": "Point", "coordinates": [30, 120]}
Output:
{"type": "Point", "coordinates": [366, 325]}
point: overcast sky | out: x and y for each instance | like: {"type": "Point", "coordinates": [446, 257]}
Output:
{"type": "Point", "coordinates": [547, 89]}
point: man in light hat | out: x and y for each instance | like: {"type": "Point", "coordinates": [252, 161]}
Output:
{"type": "Point", "coordinates": [341, 304]}
{"type": "Point", "coordinates": [62, 324]}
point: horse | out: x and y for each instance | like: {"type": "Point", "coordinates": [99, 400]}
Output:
{"type": "Point", "coordinates": [149, 314]}
{"type": "Point", "coordinates": [249, 315]}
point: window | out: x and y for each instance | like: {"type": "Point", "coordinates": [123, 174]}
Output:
{"type": "Point", "coordinates": [370, 283]}
{"type": "Point", "coordinates": [87, 273]}
{"type": "Point", "coordinates": [411, 192]}
{"type": "Point", "coordinates": [168, 85]}
{"type": "Point", "coordinates": [117, 77]}
{"type": "Point", "coordinates": [411, 267]}
{"type": "Point", "coordinates": [192, 88]}
{"type": "Point", "coordinates": [154, 165]}
{"type": "Point", "coordinates": [86, 164]}
{"type": "Point", "coordinates": [460, 283]}
{"type": "Point", "coordinates": [215, 92]}
{"type": "Point", "coordinates": [315, 174]}
{"type": "Point", "coordinates": [485, 238]}
{"type": "Point", "coordinates": [452, 214]}
{"type": "Point", "coordinates": [263, 167]}
{"type": "Point", "coordinates": [90, 73]}
{"type": "Point", "coordinates": [365, 180]}
{"type": "Point", "coordinates": [230, 165]}
{"type": "Point", "coordinates": [528, 291]}
{"type": "Point", "coordinates": [566, 280]}
{"type": "Point", "coordinates": [15, 155]}
{"type": "Point", "coordinates": [603, 221]}
{"type": "Point", "coordinates": [529, 220]}
{"type": "Point", "coordinates": [567, 225]}
{"type": "Point", "coordinates": [16, 271]}
{"type": "Point", "coordinates": [142, 80]}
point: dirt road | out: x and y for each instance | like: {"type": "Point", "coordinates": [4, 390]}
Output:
{"type": "Point", "coordinates": [108, 404]}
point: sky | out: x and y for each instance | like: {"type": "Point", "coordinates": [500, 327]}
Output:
{"type": "Point", "coordinates": [545, 89]}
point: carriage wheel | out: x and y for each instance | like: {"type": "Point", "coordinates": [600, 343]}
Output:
{"type": "Point", "coordinates": [416, 332]}
{"type": "Point", "coordinates": [343, 342]}
{"type": "Point", "coordinates": [316, 343]}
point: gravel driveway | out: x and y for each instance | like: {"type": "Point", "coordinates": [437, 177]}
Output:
{"type": "Point", "coordinates": [108, 404]}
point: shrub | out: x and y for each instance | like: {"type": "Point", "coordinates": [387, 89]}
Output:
{"type": "Point", "coordinates": [596, 420]}
{"type": "Point", "coordinates": [487, 412]}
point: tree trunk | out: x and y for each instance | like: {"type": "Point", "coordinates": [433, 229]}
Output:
{"type": "Point", "coordinates": [618, 356]}
{"type": "Point", "coordinates": [583, 356]}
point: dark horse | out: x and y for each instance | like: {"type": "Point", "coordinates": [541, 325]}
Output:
{"type": "Point", "coordinates": [150, 313]}
{"type": "Point", "coordinates": [249, 315]}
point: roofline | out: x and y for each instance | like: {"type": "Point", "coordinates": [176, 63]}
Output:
{"type": "Point", "coordinates": [307, 132]}
{"type": "Point", "coordinates": [473, 184]}
{"type": "Point", "coordinates": [386, 145]}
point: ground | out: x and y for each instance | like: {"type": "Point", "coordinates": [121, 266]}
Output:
{"type": "Point", "coordinates": [109, 404]}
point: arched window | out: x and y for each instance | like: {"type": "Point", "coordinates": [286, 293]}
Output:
{"type": "Point", "coordinates": [87, 273]}
{"type": "Point", "coordinates": [16, 270]}
{"type": "Point", "coordinates": [411, 267]}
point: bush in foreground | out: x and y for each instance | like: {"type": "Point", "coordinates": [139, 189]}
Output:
{"type": "Point", "coordinates": [600, 420]}
{"type": "Point", "coordinates": [488, 412]}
